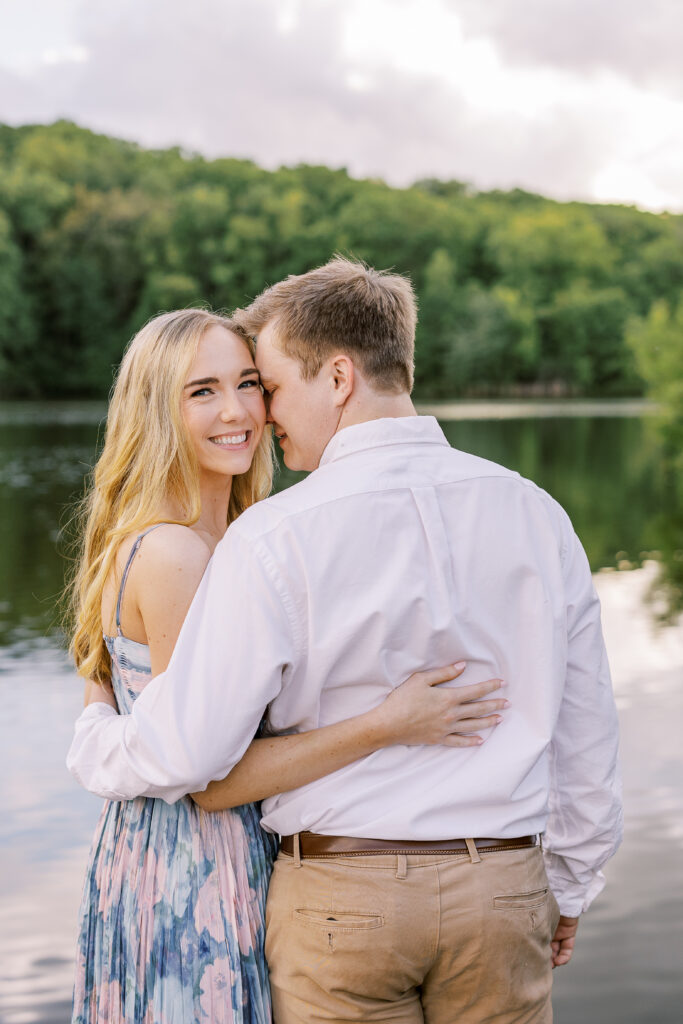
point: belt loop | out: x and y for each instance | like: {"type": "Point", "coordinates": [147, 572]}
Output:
{"type": "Point", "coordinates": [297, 850]}
{"type": "Point", "coordinates": [473, 851]}
{"type": "Point", "coordinates": [401, 866]}
{"type": "Point", "coordinates": [540, 840]}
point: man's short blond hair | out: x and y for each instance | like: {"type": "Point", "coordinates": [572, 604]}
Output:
{"type": "Point", "coordinates": [343, 306]}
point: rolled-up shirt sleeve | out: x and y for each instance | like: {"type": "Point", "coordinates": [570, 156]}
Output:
{"type": "Point", "coordinates": [584, 826]}
{"type": "Point", "coordinates": [192, 723]}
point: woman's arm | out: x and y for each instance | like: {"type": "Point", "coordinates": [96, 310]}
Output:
{"type": "Point", "coordinates": [417, 712]}
{"type": "Point", "coordinates": [163, 579]}
{"type": "Point", "coordinates": [99, 692]}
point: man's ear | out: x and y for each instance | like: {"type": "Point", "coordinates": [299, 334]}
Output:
{"type": "Point", "coordinates": [342, 377]}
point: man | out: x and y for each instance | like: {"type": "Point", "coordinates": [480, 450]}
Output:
{"type": "Point", "coordinates": [410, 886]}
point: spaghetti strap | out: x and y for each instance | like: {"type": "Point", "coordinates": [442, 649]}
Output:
{"type": "Point", "coordinates": [131, 556]}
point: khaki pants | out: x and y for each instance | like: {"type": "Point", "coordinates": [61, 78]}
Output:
{"type": "Point", "coordinates": [417, 938]}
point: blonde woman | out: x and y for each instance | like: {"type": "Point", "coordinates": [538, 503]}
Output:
{"type": "Point", "coordinates": [171, 925]}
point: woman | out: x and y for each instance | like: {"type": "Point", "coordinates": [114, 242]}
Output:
{"type": "Point", "coordinates": [171, 926]}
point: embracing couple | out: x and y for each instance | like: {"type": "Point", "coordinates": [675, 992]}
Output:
{"type": "Point", "coordinates": [437, 842]}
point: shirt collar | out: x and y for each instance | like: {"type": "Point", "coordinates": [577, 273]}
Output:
{"type": "Point", "coordinates": [382, 432]}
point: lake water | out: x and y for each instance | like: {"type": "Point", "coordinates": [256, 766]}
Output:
{"type": "Point", "coordinates": [603, 463]}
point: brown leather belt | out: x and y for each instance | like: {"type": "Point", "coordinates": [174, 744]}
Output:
{"type": "Point", "coordinates": [313, 845]}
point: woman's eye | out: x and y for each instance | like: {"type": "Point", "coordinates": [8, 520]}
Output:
{"type": "Point", "coordinates": [200, 392]}
{"type": "Point", "coordinates": [253, 383]}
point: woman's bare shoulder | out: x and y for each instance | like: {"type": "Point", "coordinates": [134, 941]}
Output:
{"type": "Point", "coordinates": [163, 577]}
{"type": "Point", "coordinates": [172, 548]}
{"type": "Point", "coordinates": [167, 571]}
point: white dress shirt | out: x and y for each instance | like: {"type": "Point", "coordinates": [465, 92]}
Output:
{"type": "Point", "coordinates": [399, 553]}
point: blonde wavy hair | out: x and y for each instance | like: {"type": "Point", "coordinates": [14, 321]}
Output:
{"type": "Point", "coordinates": [147, 458]}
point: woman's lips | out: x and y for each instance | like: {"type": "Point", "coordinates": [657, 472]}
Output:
{"type": "Point", "coordinates": [232, 442]}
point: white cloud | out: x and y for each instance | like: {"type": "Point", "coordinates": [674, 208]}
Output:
{"type": "Point", "coordinates": [391, 88]}
{"type": "Point", "coordinates": [32, 27]}
{"type": "Point", "coordinates": [640, 41]}
{"type": "Point", "coordinates": [66, 55]}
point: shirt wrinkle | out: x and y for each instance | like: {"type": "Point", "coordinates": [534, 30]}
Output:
{"type": "Point", "coordinates": [283, 594]}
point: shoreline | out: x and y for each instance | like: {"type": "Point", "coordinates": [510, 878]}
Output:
{"type": "Point", "coordinates": [536, 408]}
{"type": "Point", "coordinates": [70, 411]}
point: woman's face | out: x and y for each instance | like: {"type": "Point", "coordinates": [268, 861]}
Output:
{"type": "Point", "coordinates": [222, 404]}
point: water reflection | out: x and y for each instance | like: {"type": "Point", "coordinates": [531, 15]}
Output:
{"type": "Point", "coordinates": [45, 830]}
{"type": "Point", "coordinates": [609, 476]}
{"type": "Point", "coordinates": [628, 958]}
{"type": "Point", "coordinates": [607, 473]}
{"type": "Point", "coordinates": [665, 595]}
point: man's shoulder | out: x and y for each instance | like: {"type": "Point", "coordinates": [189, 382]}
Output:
{"type": "Point", "coordinates": [267, 515]}
{"type": "Point", "coordinates": [464, 467]}
{"type": "Point", "coordinates": [506, 481]}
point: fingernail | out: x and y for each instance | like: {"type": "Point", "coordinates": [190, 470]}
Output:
{"type": "Point", "coordinates": [506, 703]}
{"type": "Point", "coordinates": [459, 665]}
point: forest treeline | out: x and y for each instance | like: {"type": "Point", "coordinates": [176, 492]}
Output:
{"type": "Point", "coordinates": [517, 293]}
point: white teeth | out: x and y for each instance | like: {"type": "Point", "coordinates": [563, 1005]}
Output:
{"type": "Point", "coordinates": [227, 439]}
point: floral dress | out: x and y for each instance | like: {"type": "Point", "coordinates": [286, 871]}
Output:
{"type": "Point", "coordinates": [171, 924]}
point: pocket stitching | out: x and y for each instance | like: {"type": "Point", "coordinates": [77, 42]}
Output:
{"type": "Point", "coordinates": [521, 901]}
{"type": "Point", "coordinates": [301, 915]}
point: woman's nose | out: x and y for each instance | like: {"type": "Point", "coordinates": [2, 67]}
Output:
{"type": "Point", "coordinates": [232, 408]}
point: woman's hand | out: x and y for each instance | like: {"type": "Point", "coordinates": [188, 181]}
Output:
{"type": "Point", "coordinates": [415, 713]}
{"type": "Point", "coordinates": [99, 693]}
{"type": "Point", "coordinates": [419, 711]}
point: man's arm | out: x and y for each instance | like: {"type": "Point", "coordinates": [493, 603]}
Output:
{"type": "Point", "coordinates": [193, 722]}
{"type": "Point", "coordinates": [585, 823]}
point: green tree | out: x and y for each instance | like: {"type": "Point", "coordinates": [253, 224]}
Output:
{"type": "Point", "coordinates": [492, 344]}
{"type": "Point", "coordinates": [98, 234]}
{"type": "Point", "coordinates": [582, 340]}
{"type": "Point", "coordinates": [74, 156]}
{"type": "Point", "coordinates": [17, 326]}
{"type": "Point", "coordinates": [95, 282]}
{"type": "Point", "coordinates": [163, 292]}
{"type": "Point", "coordinates": [657, 341]}
{"type": "Point", "coordinates": [441, 307]}
{"type": "Point", "coordinates": [542, 251]}
{"type": "Point", "coordinates": [401, 228]}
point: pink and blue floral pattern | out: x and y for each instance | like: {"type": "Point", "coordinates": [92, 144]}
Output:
{"type": "Point", "coordinates": [172, 916]}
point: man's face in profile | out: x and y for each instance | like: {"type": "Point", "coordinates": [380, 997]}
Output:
{"type": "Point", "coordinates": [302, 412]}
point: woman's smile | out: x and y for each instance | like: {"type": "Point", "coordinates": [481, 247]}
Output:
{"type": "Point", "coordinates": [232, 441]}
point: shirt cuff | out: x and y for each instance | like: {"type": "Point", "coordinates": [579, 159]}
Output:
{"type": "Point", "coordinates": [574, 896]}
{"type": "Point", "coordinates": [98, 709]}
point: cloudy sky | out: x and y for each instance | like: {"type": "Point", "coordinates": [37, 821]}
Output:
{"type": "Point", "coordinates": [572, 98]}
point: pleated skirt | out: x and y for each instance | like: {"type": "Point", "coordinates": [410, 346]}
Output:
{"type": "Point", "coordinates": [171, 927]}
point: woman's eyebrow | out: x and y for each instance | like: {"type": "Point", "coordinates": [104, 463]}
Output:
{"type": "Point", "coordinates": [204, 380]}
{"type": "Point", "coordinates": [251, 371]}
